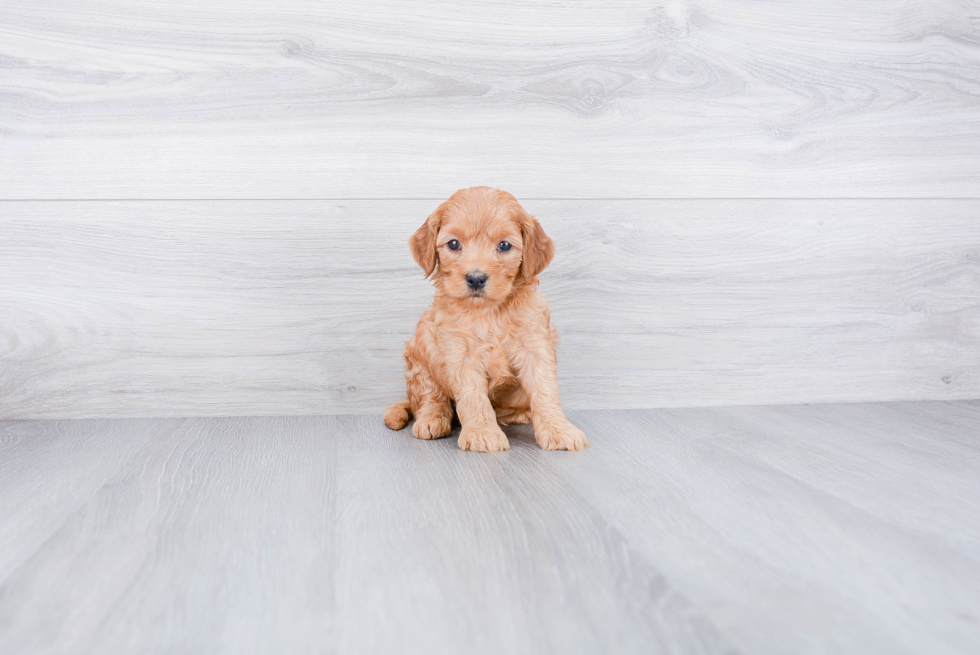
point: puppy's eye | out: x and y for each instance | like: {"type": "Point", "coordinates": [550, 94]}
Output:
{"type": "Point", "coordinates": [453, 245]}
{"type": "Point", "coordinates": [504, 246]}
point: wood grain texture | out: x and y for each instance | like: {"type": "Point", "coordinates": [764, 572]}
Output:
{"type": "Point", "coordinates": [383, 99]}
{"type": "Point", "coordinates": [817, 528]}
{"type": "Point", "coordinates": [251, 308]}
{"type": "Point", "coordinates": [228, 535]}
{"type": "Point", "coordinates": [230, 520]}
{"type": "Point", "coordinates": [804, 529]}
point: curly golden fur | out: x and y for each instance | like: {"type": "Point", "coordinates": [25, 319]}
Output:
{"type": "Point", "coordinates": [486, 344]}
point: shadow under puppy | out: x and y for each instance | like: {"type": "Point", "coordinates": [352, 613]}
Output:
{"type": "Point", "coordinates": [486, 343]}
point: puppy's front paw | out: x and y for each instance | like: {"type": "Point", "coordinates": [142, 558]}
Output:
{"type": "Point", "coordinates": [560, 436]}
{"type": "Point", "coordinates": [487, 439]}
{"type": "Point", "coordinates": [432, 427]}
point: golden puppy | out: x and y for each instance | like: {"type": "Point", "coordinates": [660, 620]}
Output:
{"type": "Point", "coordinates": [486, 344]}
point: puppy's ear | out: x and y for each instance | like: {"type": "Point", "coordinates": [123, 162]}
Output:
{"type": "Point", "coordinates": [423, 242]}
{"type": "Point", "coordinates": [538, 246]}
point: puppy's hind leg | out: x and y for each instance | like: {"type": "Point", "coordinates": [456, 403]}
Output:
{"type": "Point", "coordinates": [511, 405]}
{"type": "Point", "coordinates": [513, 416]}
{"type": "Point", "coordinates": [398, 415]}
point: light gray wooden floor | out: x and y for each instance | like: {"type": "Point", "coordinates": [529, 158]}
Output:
{"type": "Point", "coordinates": [810, 528]}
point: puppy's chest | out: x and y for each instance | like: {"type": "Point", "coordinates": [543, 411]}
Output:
{"type": "Point", "coordinates": [491, 349]}
{"type": "Point", "coordinates": [498, 368]}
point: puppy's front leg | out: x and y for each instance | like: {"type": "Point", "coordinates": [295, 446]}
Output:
{"type": "Point", "coordinates": [537, 370]}
{"type": "Point", "coordinates": [480, 431]}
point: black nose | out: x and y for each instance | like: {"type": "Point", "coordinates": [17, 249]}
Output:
{"type": "Point", "coordinates": [476, 281]}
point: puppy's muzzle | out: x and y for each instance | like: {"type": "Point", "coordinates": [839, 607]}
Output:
{"type": "Point", "coordinates": [476, 280]}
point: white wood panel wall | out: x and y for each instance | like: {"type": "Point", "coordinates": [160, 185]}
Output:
{"type": "Point", "coordinates": [290, 307]}
{"type": "Point", "coordinates": [576, 99]}
{"type": "Point", "coordinates": [179, 235]}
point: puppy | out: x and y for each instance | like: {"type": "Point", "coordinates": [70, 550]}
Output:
{"type": "Point", "coordinates": [486, 344]}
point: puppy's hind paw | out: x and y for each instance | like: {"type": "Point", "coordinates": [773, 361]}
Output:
{"type": "Point", "coordinates": [487, 439]}
{"type": "Point", "coordinates": [397, 416]}
{"type": "Point", "coordinates": [561, 436]}
{"type": "Point", "coordinates": [515, 418]}
{"type": "Point", "coordinates": [521, 418]}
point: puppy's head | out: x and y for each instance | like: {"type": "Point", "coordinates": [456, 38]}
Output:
{"type": "Point", "coordinates": [480, 244]}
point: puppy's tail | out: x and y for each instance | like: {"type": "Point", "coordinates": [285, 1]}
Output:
{"type": "Point", "coordinates": [398, 415]}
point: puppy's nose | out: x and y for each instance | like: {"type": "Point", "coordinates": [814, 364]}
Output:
{"type": "Point", "coordinates": [476, 281]}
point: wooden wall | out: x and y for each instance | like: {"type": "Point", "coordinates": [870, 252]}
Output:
{"type": "Point", "coordinates": [204, 207]}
